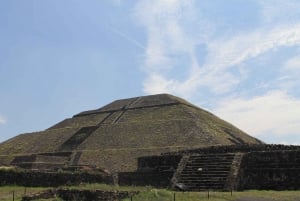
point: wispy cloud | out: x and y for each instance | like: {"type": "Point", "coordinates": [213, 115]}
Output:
{"type": "Point", "coordinates": [275, 113]}
{"type": "Point", "coordinates": [168, 38]}
{"type": "Point", "coordinates": [290, 73]}
{"type": "Point", "coordinates": [276, 11]}
{"type": "Point", "coordinates": [2, 120]}
{"type": "Point", "coordinates": [126, 37]}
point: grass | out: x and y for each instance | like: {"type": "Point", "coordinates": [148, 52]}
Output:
{"type": "Point", "coordinates": [151, 194]}
{"type": "Point", "coordinates": [6, 192]}
{"type": "Point", "coordinates": [165, 195]}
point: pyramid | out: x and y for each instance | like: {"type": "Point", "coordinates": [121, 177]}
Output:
{"type": "Point", "coordinates": [114, 136]}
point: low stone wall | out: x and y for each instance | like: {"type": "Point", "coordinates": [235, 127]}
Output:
{"type": "Point", "coordinates": [42, 161]}
{"type": "Point", "coordinates": [97, 195]}
{"type": "Point", "coordinates": [236, 148]}
{"type": "Point", "coordinates": [82, 195]}
{"type": "Point", "coordinates": [47, 194]}
{"type": "Point", "coordinates": [28, 178]}
{"type": "Point", "coordinates": [276, 170]}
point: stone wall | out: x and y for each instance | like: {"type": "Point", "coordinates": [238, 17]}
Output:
{"type": "Point", "coordinates": [272, 167]}
{"type": "Point", "coordinates": [244, 148]}
{"type": "Point", "coordinates": [276, 170]}
{"type": "Point", "coordinates": [155, 179]}
{"type": "Point", "coordinates": [82, 195]}
{"type": "Point", "coordinates": [42, 161]}
{"type": "Point", "coordinates": [156, 171]}
{"type": "Point", "coordinates": [29, 178]}
{"type": "Point", "coordinates": [158, 163]}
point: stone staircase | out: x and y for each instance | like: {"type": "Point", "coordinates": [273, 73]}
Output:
{"type": "Point", "coordinates": [43, 161]}
{"type": "Point", "coordinates": [74, 141]}
{"type": "Point", "coordinates": [205, 172]}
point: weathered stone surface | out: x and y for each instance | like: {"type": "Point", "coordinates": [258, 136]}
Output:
{"type": "Point", "coordinates": [114, 136]}
{"type": "Point", "coordinates": [82, 195]}
{"type": "Point", "coordinates": [228, 168]}
{"type": "Point", "coordinates": [277, 170]}
{"type": "Point", "coordinates": [29, 178]}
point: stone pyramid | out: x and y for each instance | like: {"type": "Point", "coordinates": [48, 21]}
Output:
{"type": "Point", "coordinates": [114, 136]}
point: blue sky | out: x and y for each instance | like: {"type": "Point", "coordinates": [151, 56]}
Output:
{"type": "Point", "coordinates": [237, 59]}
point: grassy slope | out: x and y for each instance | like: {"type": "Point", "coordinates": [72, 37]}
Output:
{"type": "Point", "coordinates": [6, 192]}
{"type": "Point", "coordinates": [150, 194]}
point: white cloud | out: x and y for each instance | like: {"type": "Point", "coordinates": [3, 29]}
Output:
{"type": "Point", "coordinates": [293, 65]}
{"type": "Point", "coordinates": [276, 10]}
{"type": "Point", "coordinates": [290, 73]}
{"type": "Point", "coordinates": [275, 113]}
{"type": "Point", "coordinates": [157, 83]}
{"type": "Point", "coordinates": [228, 52]}
{"type": "Point", "coordinates": [167, 39]}
{"type": "Point", "coordinates": [2, 120]}
{"type": "Point", "coordinates": [165, 23]}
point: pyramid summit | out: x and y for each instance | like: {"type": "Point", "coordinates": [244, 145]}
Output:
{"type": "Point", "coordinates": [115, 135]}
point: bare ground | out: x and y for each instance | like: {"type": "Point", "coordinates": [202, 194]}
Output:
{"type": "Point", "coordinates": [253, 199]}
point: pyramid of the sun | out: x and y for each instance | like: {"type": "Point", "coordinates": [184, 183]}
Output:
{"type": "Point", "coordinates": [114, 136]}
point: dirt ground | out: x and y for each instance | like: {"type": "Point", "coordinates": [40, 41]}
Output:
{"type": "Point", "coordinates": [253, 199]}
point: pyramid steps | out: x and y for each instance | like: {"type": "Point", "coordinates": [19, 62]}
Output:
{"type": "Point", "coordinates": [43, 161]}
{"type": "Point", "coordinates": [205, 172]}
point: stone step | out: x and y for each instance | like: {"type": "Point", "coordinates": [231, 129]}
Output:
{"type": "Point", "coordinates": [199, 185]}
{"type": "Point", "coordinates": [207, 186]}
{"type": "Point", "coordinates": [197, 177]}
{"type": "Point", "coordinates": [215, 184]}
{"type": "Point", "coordinates": [206, 183]}
{"type": "Point", "coordinates": [206, 180]}
{"type": "Point", "coordinates": [204, 176]}
{"type": "Point", "coordinates": [209, 162]}
{"type": "Point", "coordinates": [202, 179]}
{"type": "Point", "coordinates": [215, 169]}
{"type": "Point", "coordinates": [209, 159]}
{"type": "Point", "coordinates": [207, 166]}
{"type": "Point", "coordinates": [213, 157]}
{"type": "Point", "coordinates": [205, 171]}
{"type": "Point", "coordinates": [193, 183]}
